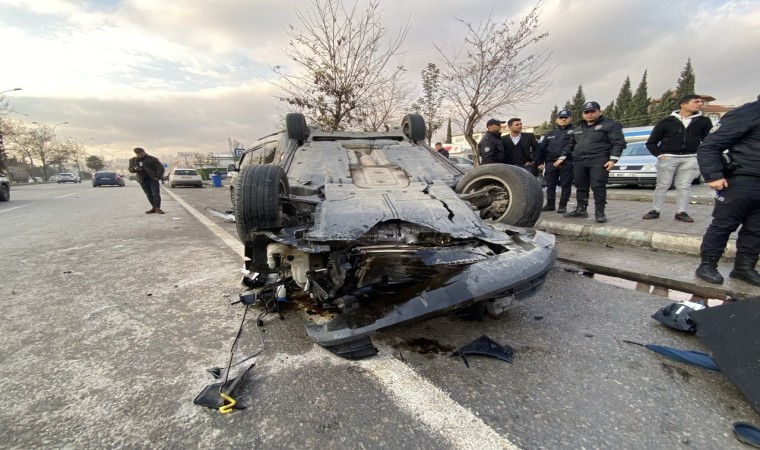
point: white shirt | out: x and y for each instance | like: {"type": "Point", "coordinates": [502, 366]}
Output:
{"type": "Point", "coordinates": [516, 139]}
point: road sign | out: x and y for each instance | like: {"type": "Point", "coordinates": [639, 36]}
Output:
{"type": "Point", "coordinates": [238, 151]}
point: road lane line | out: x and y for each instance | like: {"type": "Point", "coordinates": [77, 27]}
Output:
{"type": "Point", "coordinates": [67, 195]}
{"type": "Point", "coordinates": [432, 406]}
{"type": "Point", "coordinates": [231, 241]}
{"type": "Point", "coordinates": [411, 392]}
{"type": "Point", "coordinates": [11, 209]}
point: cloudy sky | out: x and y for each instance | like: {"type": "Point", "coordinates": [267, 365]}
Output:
{"type": "Point", "coordinates": [190, 75]}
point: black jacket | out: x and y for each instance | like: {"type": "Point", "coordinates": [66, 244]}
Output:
{"type": "Point", "coordinates": [491, 149]}
{"type": "Point", "coordinates": [603, 139]}
{"type": "Point", "coordinates": [151, 166]}
{"type": "Point", "coordinates": [669, 136]}
{"type": "Point", "coordinates": [550, 147]}
{"type": "Point", "coordinates": [526, 149]}
{"type": "Point", "coordinates": [739, 132]}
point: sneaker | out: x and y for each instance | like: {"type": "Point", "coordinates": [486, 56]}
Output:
{"type": "Point", "coordinates": [158, 211]}
{"type": "Point", "coordinates": [562, 210]}
{"type": "Point", "coordinates": [151, 211]}
{"type": "Point", "coordinates": [683, 217]}
{"type": "Point", "coordinates": [651, 215]}
{"type": "Point", "coordinates": [577, 212]}
{"type": "Point", "coordinates": [548, 207]}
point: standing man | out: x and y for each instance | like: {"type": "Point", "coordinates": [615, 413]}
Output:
{"type": "Point", "coordinates": [440, 149]}
{"type": "Point", "coordinates": [149, 172]}
{"type": "Point", "coordinates": [737, 199]}
{"type": "Point", "coordinates": [595, 145]}
{"type": "Point", "coordinates": [490, 147]}
{"type": "Point", "coordinates": [521, 148]}
{"type": "Point", "coordinates": [674, 141]}
{"type": "Point", "coordinates": [550, 150]}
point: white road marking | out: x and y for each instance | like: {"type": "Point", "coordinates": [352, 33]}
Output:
{"type": "Point", "coordinates": [410, 391]}
{"type": "Point", "coordinates": [11, 209]}
{"type": "Point", "coordinates": [233, 242]}
{"type": "Point", "coordinates": [431, 406]}
{"type": "Point", "coordinates": [67, 195]}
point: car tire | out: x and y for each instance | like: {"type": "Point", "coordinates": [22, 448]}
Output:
{"type": "Point", "coordinates": [295, 125]}
{"type": "Point", "coordinates": [520, 186]}
{"type": "Point", "coordinates": [413, 126]}
{"type": "Point", "coordinates": [257, 199]}
{"type": "Point", "coordinates": [5, 193]}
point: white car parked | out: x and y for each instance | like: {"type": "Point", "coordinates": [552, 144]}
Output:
{"type": "Point", "coordinates": [185, 177]}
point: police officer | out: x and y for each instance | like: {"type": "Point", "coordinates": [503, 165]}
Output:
{"type": "Point", "coordinates": [737, 200]}
{"type": "Point", "coordinates": [490, 147]}
{"type": "Point", "coordinates": [595, 145]}
{"type": "Point", "coordinates": [550, 149]}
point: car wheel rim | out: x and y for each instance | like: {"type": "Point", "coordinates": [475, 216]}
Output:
{"type": "Point", "coordinates": [486, 181]}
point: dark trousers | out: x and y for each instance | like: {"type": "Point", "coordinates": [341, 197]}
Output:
{"type": "Point", "coordinates": [152, 190]}
{"type": "Point", "coordinates": [591, 173]}
{"type": "Point", "coordinates": [558, 176]}
{"type": "Point", "coordinates": [738, 204]}
{"type": "Point", "coordinates": [532, 169]}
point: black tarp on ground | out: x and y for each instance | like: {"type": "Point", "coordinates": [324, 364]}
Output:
{"type": "Point", "coordinates": [732, 333]}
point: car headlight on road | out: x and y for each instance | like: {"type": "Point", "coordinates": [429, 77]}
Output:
{"type": "Point", "coordinates": [648, 167]}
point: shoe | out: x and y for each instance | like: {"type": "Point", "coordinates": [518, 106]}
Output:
{"type": "Point", "coordinates": [579, 211]}
{"type": "Point", "coordinates": [652, 215]}
{"type": "Point", "coordinates": [562, 209]}
{"type": "Point", "coordinates": [600, 217]}
{"type": "Point", "coordinates": [708, 269]}
{"type": "Point", "coordinates": [744, 269]}
{"type": "Point", "coordinates": [158, 211]}
{"type": "Point", "coordinates": [683, 217]}
{"type": "Point", "coordinates": [548, 207]}
{"type": "Point", "coordinates": [151, 211]}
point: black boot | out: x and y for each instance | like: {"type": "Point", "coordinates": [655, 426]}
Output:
{"type": "Point", "coordinates": [562, 208]}
{"type": "Point", "coordinates": [549, 205]}
{"type": "Point", "coordinates": [744, 269]}
{"type": "Point", "coordinates": [599, 215]}
{"type": "Point", "coordinates": [579, 211]}
{"type": "Point", "coordinates": [708, 269]}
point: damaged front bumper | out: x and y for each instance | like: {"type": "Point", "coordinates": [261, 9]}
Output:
{"type": "Point", "coordinates": [512, 275]}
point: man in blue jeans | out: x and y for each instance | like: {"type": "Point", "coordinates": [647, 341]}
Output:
{"type": "Point", "coordinates": [149, 172]}
{"type": "Point", "coordinates": [674, 141]}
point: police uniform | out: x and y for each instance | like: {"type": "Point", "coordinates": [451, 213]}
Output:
{"type": "Point", "coordinates": [739, 202]}
{"type": "Point", "coordinates": [550, 149]}
{"type": "Point", "coordinates": [491, 149]}
{"type": "Point", "coordinates": [591, 147]}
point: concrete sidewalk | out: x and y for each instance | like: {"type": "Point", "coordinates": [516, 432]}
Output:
{"type": "Point", "coordinates": [624, 210]}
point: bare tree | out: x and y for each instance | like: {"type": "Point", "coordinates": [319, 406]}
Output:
{"type": "Point", "coordinates": [41, 142]}
{"type": "Point", "coordinates": [493, 70]}
{"type": "Point", "coordinates": [16, 138]}
{"type": "Point", "coordinates": [344, 57]}
{"type": "Point", "coordinates": [387, 104]}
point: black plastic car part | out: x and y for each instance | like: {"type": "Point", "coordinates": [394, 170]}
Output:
{"type": "Point", "coordinates": [485, 346]}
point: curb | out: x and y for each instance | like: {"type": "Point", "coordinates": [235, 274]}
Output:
{"type": "Point", "coordinates": [694, 200]}
{"type": "Point", "coordinates": [671, 242]}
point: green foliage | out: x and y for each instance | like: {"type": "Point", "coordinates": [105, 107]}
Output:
{"type": "Point", "coordinates": [576, 104]}
{"type": "Point", "coordinates": [94, 162]}
{"type": "Point", "coordinates": [609, 111]}
{"type": "Point", "coordinates": [640, 106]}
{"type": "Point", "coordinates": [448, 132]}
{"type": "Point", "coordinates": [429, 104]}
{"type": "Point", "coordinates": [623, 102]}
{"type": "Point", "coordinates": [686, 82]}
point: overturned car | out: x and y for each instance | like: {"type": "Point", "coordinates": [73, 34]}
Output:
{"type": "Point", "coordinates": [377, 229]}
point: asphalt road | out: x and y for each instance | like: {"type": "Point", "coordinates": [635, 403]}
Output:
{"type": "Point", "coordinates": [111, 317]}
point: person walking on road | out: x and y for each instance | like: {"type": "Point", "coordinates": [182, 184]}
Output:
{"type": "Point", "coordinates": [520, 148]}
{"type": "Point", "coordinates": [490, 147]}
{"type": "Point", "coordinates": [735, 176]}
{"type": "Point", "coordinates": [550, 149]}
{"type": "Point", "coordinates": [149, 172]}
{"type": "Point", "coordinates": [674, 141]}
{"type": "Point", "coordinates": [595, 145]}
